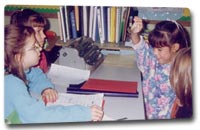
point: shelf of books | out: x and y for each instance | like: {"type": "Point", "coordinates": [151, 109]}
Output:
{"type": "Point", "coordinates": [103, 24]}
{"type": "Point", "coordinates": [106, 25]}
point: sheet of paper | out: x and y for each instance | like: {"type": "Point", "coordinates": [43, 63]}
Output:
{"type": "Point", "coordinates": [67, 99]}
{"type": "Point", "coordinates": [67, 75]}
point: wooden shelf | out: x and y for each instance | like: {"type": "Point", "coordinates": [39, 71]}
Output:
{"type": "Point", "coordinates": [113, 46]}
{"type": "Point", "coordinates": [106, 46]}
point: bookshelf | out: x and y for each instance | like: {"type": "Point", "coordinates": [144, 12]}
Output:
{"type": "Point", "coordinates": [105, 24]}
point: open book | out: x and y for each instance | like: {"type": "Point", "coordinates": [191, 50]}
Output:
{"type": "Point", "coordinates": [67, 99]}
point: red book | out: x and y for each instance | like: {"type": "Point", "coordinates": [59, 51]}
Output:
{"type": "Point", "coordinates": [108, 87]}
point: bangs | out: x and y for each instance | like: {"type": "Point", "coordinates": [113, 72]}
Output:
{"type": "Point", "coordinates": [158, 39]}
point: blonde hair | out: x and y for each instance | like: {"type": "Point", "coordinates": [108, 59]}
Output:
{"type": "Point", "coordinates": [181, 76]}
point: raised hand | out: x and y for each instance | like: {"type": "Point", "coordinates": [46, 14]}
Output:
{"type": "Point", "coordinates": [137, 26]}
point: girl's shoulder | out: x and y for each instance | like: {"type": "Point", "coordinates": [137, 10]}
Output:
{"type": "Point", "coordinates": [11, 78]}
{"type": "Point", "coordinates": [12, 82]}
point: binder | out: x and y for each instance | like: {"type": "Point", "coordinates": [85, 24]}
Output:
{"type": "Point", "coordinates": [108, 87]}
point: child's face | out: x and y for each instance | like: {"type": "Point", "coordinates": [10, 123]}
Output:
{"type": "Point", "coordinates": [31, 55]}
{"type": "Point", "coordinates": [164, 55]}
{"type": "Point", "coordinates": [39, 34]}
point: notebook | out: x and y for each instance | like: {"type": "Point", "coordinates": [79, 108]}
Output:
{"type": "Point", "coordinates": [108, 87]}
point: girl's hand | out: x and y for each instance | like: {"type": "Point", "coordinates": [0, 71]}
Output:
{"type": "Point", "coordinates": [137, 26]}
{"type": "Point", "coordinates": [49, 95]}
{"type": "Point", "coordinates": [97, 113]}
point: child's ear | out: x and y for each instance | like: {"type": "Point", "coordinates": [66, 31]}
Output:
{"type": "Point", "coordinates": [175, 47]}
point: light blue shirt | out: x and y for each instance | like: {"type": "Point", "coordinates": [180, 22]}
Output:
{"type": "Point", "coordinates": [31, 110]}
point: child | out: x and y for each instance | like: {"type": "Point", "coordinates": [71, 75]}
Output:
{"type": "Point", "coordinates": [28, 17]}
{"type": "Point", "coordinates": [181, 81]}
{"type": "Point", "coordinates": [33, 19]}
{"type": "Point", "coordinates": [153, 60]}
{"type": "Point", "coordinates": [22, 52]}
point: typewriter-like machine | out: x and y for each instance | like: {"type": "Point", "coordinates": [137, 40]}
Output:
{"type": "Point", "coordinates": [81, 53]}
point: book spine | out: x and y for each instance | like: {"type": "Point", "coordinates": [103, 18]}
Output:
{"type": "Point", "coordinates": [100, 29]}
{"type": "Point", "coordinates": [76, 12]}
{"type": "Point", "coordinates": [113, 24]}
{"type": "Point", "coordinates": [60, 25]}
{"type": "Point", "coordinates": [67, 23]}
{"type": "Point", "coordinates": [85, 19]}
{"type": "Point", "coordinates": [73, 24]}
{"type": "Point", "coordinates": [103, 23]}
{"type": "Point", "coordinates": [63, 23]}
{"type": "Point", "coordinates": [108, 23]}
{"type": "Point", "coordinates": [94, 24]}
{"type": "Point", "coordinates": [91, 20]}
{"type": "Point", "coordinates": [118, 17]}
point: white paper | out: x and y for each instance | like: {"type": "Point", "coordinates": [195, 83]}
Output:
{"type": "Point", "coordinates": [67, 75]}
{"type": "Point", "coordinates": [67, 99]}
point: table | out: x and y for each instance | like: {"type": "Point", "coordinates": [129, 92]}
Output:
{"type": "Point", "coordinates": [119, 107]}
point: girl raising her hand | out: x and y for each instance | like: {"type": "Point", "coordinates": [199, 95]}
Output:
{"type": "Point", "coordinates": [154, 60]}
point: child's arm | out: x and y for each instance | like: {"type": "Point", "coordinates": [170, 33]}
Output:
{"type": "Point", "coordinates": [135, 30]}
{"type": "Point", "coordinates": [96, 113]}
{"type": "Point", "coordinates": [38, 81]}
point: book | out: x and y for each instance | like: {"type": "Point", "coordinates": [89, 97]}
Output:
{"type": "Point", "coordinates": [118, 22]}
{"type": "Point", "coordinates": [108, 25]}
{"type": "Point", "coordinates": [103, 21]}
{"type": "Point", "coordinates": [60, 25]}
{"type": "Point", "coordinates": [100, 27]}
{"type": "Point", "coordinates": [63, 23]}
{"type": "Point", "coordinates": [67, 24]}
{"type": "Point", "coordinates": [85, 21]}
{"type": "Point", "coordinates": [112, 24]}
{"type": "Point", "coordinates": [108, 87]}
{"type": "Point", "coordinates": [126, 16]}
{"type": "Point", "coordinates": [73, 24]}
{"type": "Point", "coordinates": [91, 18]}
{"type": "Point", "coordinates": [67, 99]}
{"type": "Point", "coordinates": [94, 27]}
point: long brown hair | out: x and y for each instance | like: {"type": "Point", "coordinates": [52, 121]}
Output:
{"type": "Point", "coordinates": [181, 76]}
{"type": "Point", "coordinates": [15, 40]}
